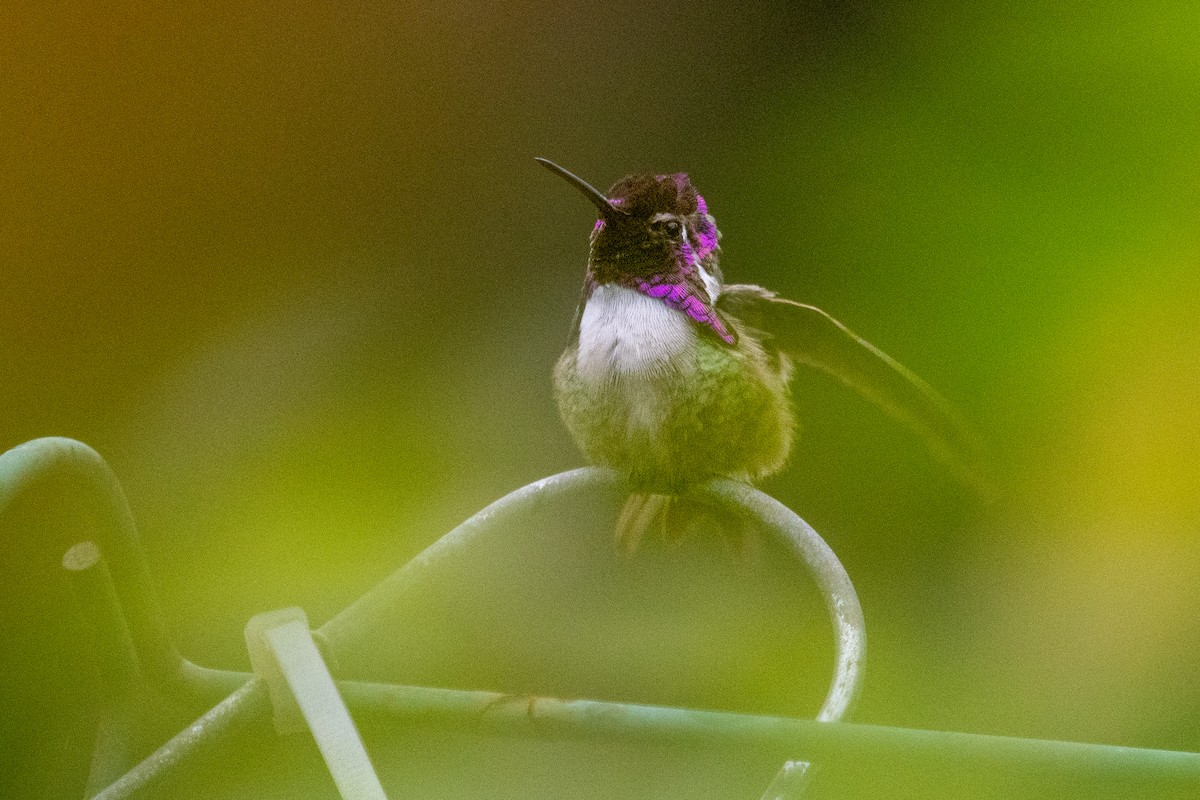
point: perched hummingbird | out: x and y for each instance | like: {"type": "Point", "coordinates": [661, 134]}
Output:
{"type": "Point", "coordinates": [674, 377]}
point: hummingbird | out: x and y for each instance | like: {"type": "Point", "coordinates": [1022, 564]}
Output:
{"type": "Point", "coordinates": [674, 377]}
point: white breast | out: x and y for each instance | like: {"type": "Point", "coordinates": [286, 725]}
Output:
{"type": "Point", "coordinates": [624, 331]}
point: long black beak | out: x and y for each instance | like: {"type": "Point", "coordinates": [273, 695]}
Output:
{"type": "Point", "coordinates": [607, 210]}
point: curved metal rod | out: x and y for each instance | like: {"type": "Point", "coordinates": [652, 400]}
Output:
{"type": "Point", "coordinates": [242, 707]}
{"type": "Point", "coordinates": [67, 483]}
{"type": "Point", "coordinates": [840, 599]}
{"type": "Point", "coordinates": [845, 612]}
{"type": "Point", "coordinates": [62, 490]}
{"type": "Point", "coordinates": [356, 622]}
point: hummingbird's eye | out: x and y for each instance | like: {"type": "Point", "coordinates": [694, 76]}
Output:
{"type": "Point", "coordinates": [671, 227]}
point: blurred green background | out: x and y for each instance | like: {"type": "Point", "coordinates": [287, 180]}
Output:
{"type": "Point", "coordinates": [292, 270]}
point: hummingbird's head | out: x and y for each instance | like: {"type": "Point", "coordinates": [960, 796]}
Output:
{"type": "Point", "coordinates": [650, 225]}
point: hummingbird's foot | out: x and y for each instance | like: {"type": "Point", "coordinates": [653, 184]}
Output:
{"type": "Point", "coordinates": [529, 700]}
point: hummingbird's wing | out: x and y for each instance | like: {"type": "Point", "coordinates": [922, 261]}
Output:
{"type": "Point", "coordinates": [809, 336]}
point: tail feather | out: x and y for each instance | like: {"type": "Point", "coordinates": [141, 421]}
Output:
{"type": "Point", "coordinates": [641, 513]}
{"type": "Point", "coordinates": [671, 517]}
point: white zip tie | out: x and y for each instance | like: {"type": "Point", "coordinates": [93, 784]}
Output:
{"type": "Point", "coordinates": [303, 693]}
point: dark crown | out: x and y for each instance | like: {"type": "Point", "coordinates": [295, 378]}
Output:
{"type": "Point", "coordinates": [646, 195]}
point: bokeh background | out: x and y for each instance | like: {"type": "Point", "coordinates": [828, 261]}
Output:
{"type": "Point", "coordinates": [292, 270]}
